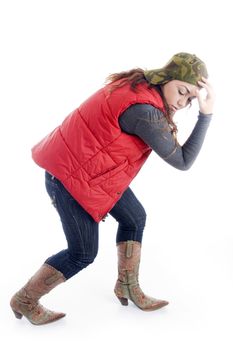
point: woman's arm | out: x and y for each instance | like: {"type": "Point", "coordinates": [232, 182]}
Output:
{"type": "Point", "coordinates": [151, 126]}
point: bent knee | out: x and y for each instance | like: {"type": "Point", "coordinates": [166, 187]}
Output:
{"type": "Point", "coordinates": [82, 260]}
{"type": "Point", "coordinates": [136, 224]}
{"type": "Point", "coordinates": [139, 221]}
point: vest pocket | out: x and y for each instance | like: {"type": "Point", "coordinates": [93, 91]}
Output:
{"type": "Point", "coordinates": [107, 174]}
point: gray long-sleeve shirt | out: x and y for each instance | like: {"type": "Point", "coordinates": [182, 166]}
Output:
{"type": "Point", "coordinates": [151, 126]}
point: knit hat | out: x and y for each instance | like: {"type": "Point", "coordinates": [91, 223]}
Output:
{"type": "Point", "coordinates": [182, 66]}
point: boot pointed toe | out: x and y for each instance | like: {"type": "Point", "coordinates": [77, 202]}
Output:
{"type": "Point", "coordinates": [26, 301]}
{"type": "Point", "coordinates": [127, 285]}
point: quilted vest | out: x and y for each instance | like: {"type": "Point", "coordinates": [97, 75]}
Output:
{"type": "Point", "coordinates": [90, 154]}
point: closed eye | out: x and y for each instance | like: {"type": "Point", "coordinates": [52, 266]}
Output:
{"type": "Point", "coordinates": [182, 93]}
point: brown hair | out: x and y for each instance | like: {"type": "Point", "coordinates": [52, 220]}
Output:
{"type": "Point", "coordinates": [134, 77]}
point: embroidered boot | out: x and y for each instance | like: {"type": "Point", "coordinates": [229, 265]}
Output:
{"type": "Point", "coordinates": [26, 301]}
{"type": "Point", "coordinates": [127, 285]}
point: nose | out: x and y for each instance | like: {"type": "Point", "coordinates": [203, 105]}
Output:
{"type": "Point", "coordinates": [181, 102]}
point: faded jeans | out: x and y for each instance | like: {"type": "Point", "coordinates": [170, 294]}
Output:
{"type": "Point", "coordinates": [82, 232]}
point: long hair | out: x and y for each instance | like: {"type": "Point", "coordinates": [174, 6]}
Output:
{"type": "Point", "coordinates": [134, 77]}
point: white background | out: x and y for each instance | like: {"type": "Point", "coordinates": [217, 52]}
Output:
{"type": "Point", "coordinates": [54, 54]}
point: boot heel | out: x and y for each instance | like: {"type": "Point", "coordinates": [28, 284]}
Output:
{"type": "Point", "coordinates": [123, 301]}
{"type": "Point", "coordinates": [17, 314]}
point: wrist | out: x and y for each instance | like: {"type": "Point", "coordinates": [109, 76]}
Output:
{"type": "Point", "coordinates": [204, 114]}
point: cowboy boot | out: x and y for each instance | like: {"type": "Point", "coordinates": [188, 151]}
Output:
{"type": "Point", "coordinates": [25, 301]}
{"type": "Point", "coordinates": [127, 285]}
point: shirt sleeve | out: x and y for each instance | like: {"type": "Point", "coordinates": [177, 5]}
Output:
{"type": "Point", "coordinates": [150, 124]}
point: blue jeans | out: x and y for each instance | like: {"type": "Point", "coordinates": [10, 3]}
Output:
{"type": "Point", "coordinates": [82, 231]}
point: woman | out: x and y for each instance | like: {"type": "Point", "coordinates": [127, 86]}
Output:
{"type": "Point", "coordinates": [92, 157]}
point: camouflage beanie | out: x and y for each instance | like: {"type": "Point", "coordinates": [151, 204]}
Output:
{"type": "Point", "coordinates": [182, 66]}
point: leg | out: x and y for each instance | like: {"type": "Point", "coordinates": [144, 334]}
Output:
{"type": "Point", "coordinates": [82, 237]}
{"type": "Point", "coordinates": [80, 229]}
{"type": "Point", "coordinates": [131, 218]}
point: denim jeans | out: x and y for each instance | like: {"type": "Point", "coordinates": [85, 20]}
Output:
{"type": "Point", "coordinates": [82, 231]}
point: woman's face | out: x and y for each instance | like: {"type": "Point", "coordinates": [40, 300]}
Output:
{"type": "Point", "coordinates": [178, 94]}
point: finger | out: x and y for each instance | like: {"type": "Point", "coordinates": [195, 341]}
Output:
{"type": "Point", "coordinates": [207, 82]}
{"type": "Point", "coordinates": [204, 79]}
{"type": "Point", "coordinates": [206, 86]}
{"type": "Point", "coordinates": [198, 95]}
{"type": "Point", "coordinates": [201, 83]}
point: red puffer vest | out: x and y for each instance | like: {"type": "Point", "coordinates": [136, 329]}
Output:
{"type": "Point", "coordinates": [90, 154]}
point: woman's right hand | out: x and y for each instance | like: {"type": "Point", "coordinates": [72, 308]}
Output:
{"type": "Point", "coordinates": [206, 103]}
